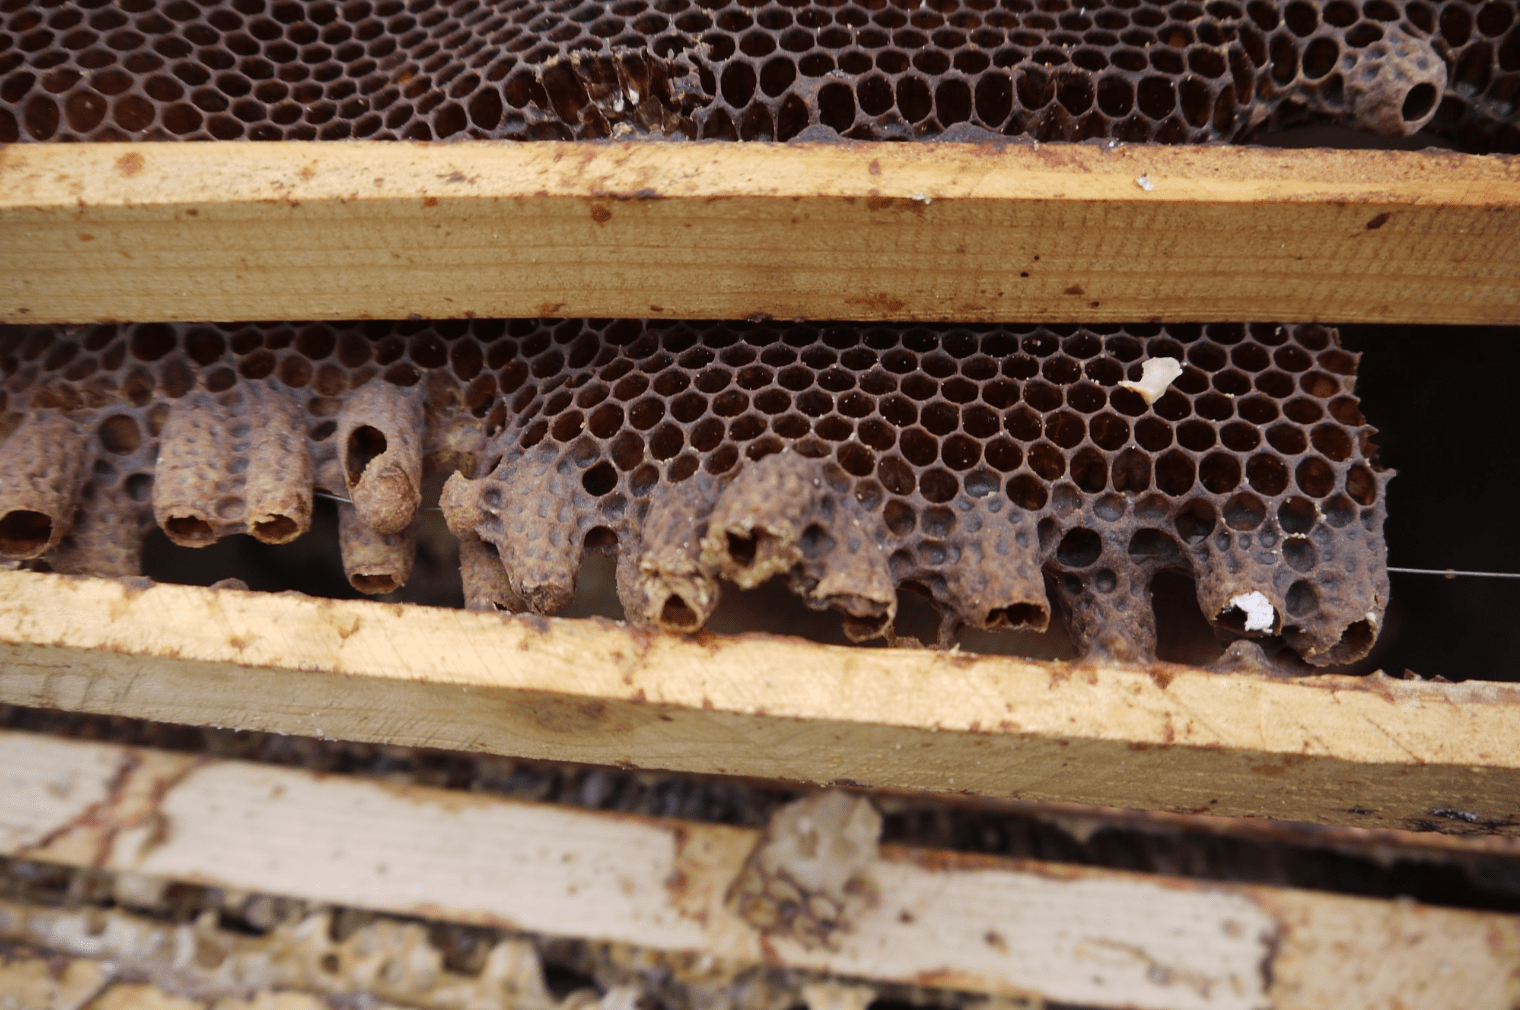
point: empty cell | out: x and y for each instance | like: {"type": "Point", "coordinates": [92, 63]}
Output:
{"type": "Point", "coordinates": [1047, 461]}
{"type": "Point", "coordinates": [939, 485]}
{"type": "Point", "coordinates": [896, 476]}
{"type": "Point", "coordinates": [1148, 544]}
{"type": "Point", "coordinates": [1028, 492]}
{"type": "Point", "coordinates": [1195, 520]}
{"type": "Point", "coordinates": [1089, 469]}
{"type": "Point", "coordinates": [1175, 473]}
{"type": "Point", "coordinates": [1196, 435]}
{"type": "Point", "coordinates": [1287, 439]}
{"type": "Point", "coordinates": [1109, 431]}
{"type": "Point", "coordinates": [1301, 600]}
{"type": "Point", "coordinates": [1332, 441]}
{"type": "Point", "coordinates": [1132, 471]}
{"type": "Point", "coordinates": [1362, 484]}
{"type": "Point", "coordinates": [1219, 472]}
{"type": "Point", "coordinates": [1065, 429]}
{"type": "Point", "coordinates": [1315, 477]}
{"type": "Point", "coordinates": [1079, 548]}
{"type": "Point", "coordinates": [1302, 410]}
{"type": "Point", "coordinates": [961, 452]}
{"type": "Point", "coordinates": [940, 418]}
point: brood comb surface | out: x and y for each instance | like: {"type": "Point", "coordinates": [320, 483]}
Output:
{"type": "Point", "coordinates": [978, 465]}
{"type": "Point", "coordinates": [1135, 70]}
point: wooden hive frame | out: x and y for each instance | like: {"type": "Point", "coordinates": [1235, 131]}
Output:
{"type": "Point", "coordinates": [999, 926]}
{"type": "Point", "coordinates": [96, 232]}
{"type": "Point", "coordinates": [942, 232]}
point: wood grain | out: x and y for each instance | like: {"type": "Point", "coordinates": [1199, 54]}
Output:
{"type": "Point", "coordinates": [1370, 752]}
{"type": "Point", "coordinates": [945, 232]}
{"type": "Point", "coordinates": [1072, 934]}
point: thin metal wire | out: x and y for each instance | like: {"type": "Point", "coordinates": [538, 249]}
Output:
{"type": "Point", "coordinates": [345, 501]}
{"type": "Point", "coordinates": [1450, 573]}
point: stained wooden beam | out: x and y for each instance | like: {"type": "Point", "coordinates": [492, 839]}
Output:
{"type": "Point", "coordinates": [1364, 751]}
{"type": "Point", "coordinates": [983, 924]}
{"type": "Point", "coordinates": [944, 232]}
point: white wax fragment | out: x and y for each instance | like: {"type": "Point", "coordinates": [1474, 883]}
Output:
{"type": "Point", "coordinates": [620, 997]}
{"type": "Point", "coordinates": [1258, 610]}
{"type": "Point", "coordinates": [1155, 376]}
{"type": "Point", "coordinates": [1144, 182]}
{"type": "Point", "coordinates": [822, 841]}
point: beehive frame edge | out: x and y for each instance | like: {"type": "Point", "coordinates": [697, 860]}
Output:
{"type": "Point", "coordinates": [974, 923]}
{"type": "Point", "coordinates": [1370, 752]}
{"type": "Point", "coordinates": [942, 232]}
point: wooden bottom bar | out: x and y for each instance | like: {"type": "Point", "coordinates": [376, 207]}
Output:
{"type": "Point", "coordinates": [1368, 752]}
{"type": "Point", "coordinates": [982, 924]}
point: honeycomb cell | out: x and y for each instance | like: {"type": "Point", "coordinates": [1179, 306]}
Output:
{"type": "Point", "coordinates": [1288, 439]}
{"type": "Point", "coordinates": [1175, 473]}
{"type": "Point", "coordinates": [1132, 471]}
{"type": "Point", "coordinates": [574, 70]}
{"type": "Point", "coordinates": [584, 424]}
{"type": "Point", "coordinates": [1079, 548]}
{"type": "Point", "coordinates": [1195, 521]}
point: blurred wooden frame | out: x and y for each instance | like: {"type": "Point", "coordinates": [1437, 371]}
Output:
{"type": "Point", "coordinates": [976, 923]}
{"type": "Point", "coordinates": [935, 232]}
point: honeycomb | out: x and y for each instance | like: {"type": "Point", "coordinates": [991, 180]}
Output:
{"type": "Point", "coordinates": [1134, 70]}
{"type": "Point", "coordinates": [990, 468]}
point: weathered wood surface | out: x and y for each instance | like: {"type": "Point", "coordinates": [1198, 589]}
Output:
{"type": "Point", "coordinates": [948, 232]}
{"type": "Point", "coordinates": [984, 924]}
{"type": "Point", "coordinates": [45, 981]}
{"type": "Point", "coordinates": [1370, 752]}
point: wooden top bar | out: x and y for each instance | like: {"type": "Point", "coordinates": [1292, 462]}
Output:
{"type": "Point", "coordinates": [933, 232]}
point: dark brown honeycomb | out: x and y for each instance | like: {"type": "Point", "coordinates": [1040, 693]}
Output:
{"type": "Point", "coordinates": [987, 467]}
{"type": "Point", "coordinates": [1134, 70]}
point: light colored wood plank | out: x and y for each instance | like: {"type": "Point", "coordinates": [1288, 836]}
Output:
{"type": "Point", "coordinates": [140, 996]}
{"type": "Point", "coordinates": [886, 231]}
{"type": "Point", "coordinates": [1370, 752]}
{"type": "Point", "coordinates": [982, 924]}
{"type": "Point", "coordinates": [1324, 959]}
{"type": "Point", "coordinates": [30, 981]}
{"type": "Point", "coordinates": [36, 981]}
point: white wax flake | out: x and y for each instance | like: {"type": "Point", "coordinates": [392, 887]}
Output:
{"type": "Point", "coordinates": [1144, 182]}
{"type": "Point", "coordinates": [1156, 375]}
{"type": "Point", "coordinates": [620, 997]}
{"type": "Point", "coordinates": [923, 199]}
{"type": "Point", "coordinates": [1258, 610]}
